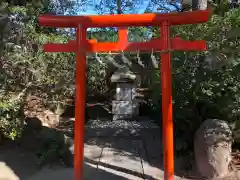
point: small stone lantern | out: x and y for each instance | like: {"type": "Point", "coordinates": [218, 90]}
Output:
{"type": "Point", "coordinates": [125, 106]}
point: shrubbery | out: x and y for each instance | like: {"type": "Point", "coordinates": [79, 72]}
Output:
{"type": "Point", "coordinates": [205, 84]}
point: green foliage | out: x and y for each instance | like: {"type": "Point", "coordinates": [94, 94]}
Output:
{"type": "Point", "coordinates": [10, 122]}
{"type": "Point", "coordinates": [205, 84]}
{"type": "Point", "coordinates": [96, 77]}
{"type": "Point", "coordinates": [25, 67]}
{"type": "Point", "coordinates": [50, 152]}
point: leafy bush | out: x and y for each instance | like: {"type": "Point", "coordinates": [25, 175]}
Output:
{"type": "Point", "coordinates": [10, 119]}
{"type": "Point", "coordinates": [96, 73]}
{"type": "Point", "coordinates": [205, 84]}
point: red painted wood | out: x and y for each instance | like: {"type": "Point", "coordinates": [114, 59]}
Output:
{"type": "Point", "coordinates": [155, 44]}
{"type": "Point", "coordinates": [123, 36]}
{"type": "Point", "coordinates": [166, 79]}
{"type": "Point", "coordinates": [80, 103]}
{"type": "Point", "coordinates": [125, 20]}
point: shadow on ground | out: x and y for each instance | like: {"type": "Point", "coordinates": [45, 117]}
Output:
{"type": "Point", "coordinates": [19, 160]}
{"type": "Point", "coordinates": [18, 165]}
{"type": "Point", "coordinates": [92, 110]}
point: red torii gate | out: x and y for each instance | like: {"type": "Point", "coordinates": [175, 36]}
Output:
{"type": "Point", "coordinates": [164, 44]}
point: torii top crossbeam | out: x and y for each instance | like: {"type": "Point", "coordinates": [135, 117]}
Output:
{"type": "Point", "coordinates": [125, 20]}
{"type": "Point", "coordinates": [165, 44]}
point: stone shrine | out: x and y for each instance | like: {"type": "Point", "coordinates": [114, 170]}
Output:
{"type": "Point", "coordinates": [125, 106]}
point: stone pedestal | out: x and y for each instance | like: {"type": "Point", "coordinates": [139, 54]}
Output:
{"type": "Point", "coordinates": [123, 110]}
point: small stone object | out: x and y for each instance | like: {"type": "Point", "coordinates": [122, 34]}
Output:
{"type": "Point", "coordinates": [6, 173]}
{"type": "Point", "coordinates": [212, 147]}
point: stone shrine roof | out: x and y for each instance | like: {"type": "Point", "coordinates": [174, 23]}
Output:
{"type": "Point", "coordinates": [123, 75]}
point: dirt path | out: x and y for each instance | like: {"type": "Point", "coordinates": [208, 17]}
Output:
{"type": "Point", "coordinates": [122, 159]}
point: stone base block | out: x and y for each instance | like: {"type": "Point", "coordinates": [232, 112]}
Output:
{"type": "Point", "coordinates": [124, 110]}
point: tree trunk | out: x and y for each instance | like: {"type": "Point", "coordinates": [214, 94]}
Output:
{"type": "Point", "coordinates": [119, 6]}
{"type": "Point", "coordinates": [199, 4]}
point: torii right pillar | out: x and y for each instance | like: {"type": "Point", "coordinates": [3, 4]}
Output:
{"type": "Point", "coordinates": [166, 73]}
{"type": "Point", "coordinates": [166, 78]}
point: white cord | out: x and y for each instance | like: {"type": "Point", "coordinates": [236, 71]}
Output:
{"type": "Point", "coordinates": [154, 60]}
{"type": "Point", "coordinates": [98, 59]}
{"type": "Point", "coordinates": [139, 60]}
{"type": "Point", "coordinates": [125, 59]}
{"type": "Point", "coordinates": [112, 60]}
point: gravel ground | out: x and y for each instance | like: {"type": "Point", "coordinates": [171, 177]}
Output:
{"type": "Point", "coordinates": [121, 124]}
{"type": "Point", "coordinates": [120, 128]}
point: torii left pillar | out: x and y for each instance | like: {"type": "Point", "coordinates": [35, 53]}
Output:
{"type": "Point", "coordinates": [81, 65]}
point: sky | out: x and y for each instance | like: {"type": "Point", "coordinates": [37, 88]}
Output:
{"type": "Point", "coordinates": [140, 7]}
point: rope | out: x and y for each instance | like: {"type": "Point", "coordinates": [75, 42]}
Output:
{"type": "Point", "coordinates": [140, 52]}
